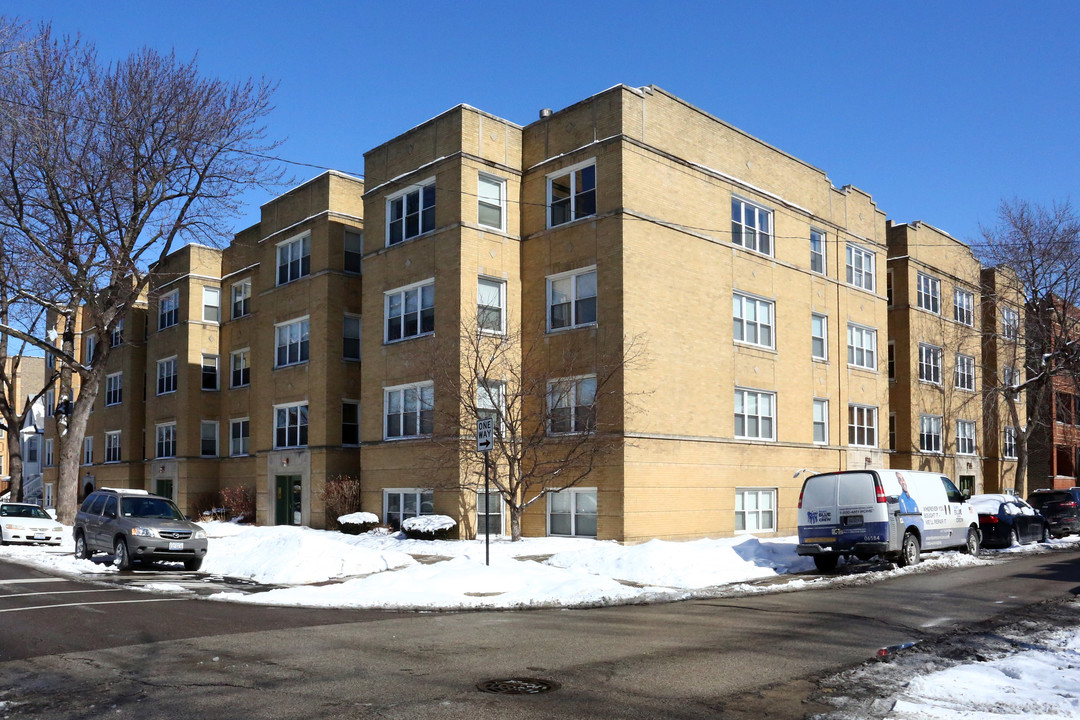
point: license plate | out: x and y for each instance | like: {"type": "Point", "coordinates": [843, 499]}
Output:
{"type": "Point", "coordinates": [40, 537]}
{"type": "Point", "coordinates": [176, 546]}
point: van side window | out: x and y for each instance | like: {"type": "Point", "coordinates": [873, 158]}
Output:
{"type": "Point", "coordinates": [955, 496]}
{"type": "Point", "coordinates": [99, 503]}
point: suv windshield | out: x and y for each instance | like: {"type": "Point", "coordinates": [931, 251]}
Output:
{"type": "Point", "coordinates": [148, 507]}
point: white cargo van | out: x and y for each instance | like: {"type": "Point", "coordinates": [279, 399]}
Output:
{"type": "Point", "coordinates": [891, 513]}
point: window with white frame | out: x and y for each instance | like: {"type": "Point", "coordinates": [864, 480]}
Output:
{"type": "Point", "coordinates": [1008, 447]}
{"type": "Point", "coordinates": [571, 299]}
{"type": "Point", "coordinates": [819, 337]}
{"type": "Point", "coordinates": [929, 293]}
{"type": "Point", "coordinates": [31, 450]}
{"type": "Point", "coordinates": [491, 401]}
{"type": "Point", "coordinates": [211, 305]}
{"type": "Point", "coordinates": [965, 373]}
{"type": "Point", "coordinates": [755, 415]}
{"type": "Point", "coordinates": [354, 252]}
{"type": "Point", "coordinates": [408, 411]}
{"type": "Point", "coordinates": [166, 440]}
{"type": "Point", "coordinates": [491, 201]}
{"type": "Point", "coordinates": [116, 337]}
{"type": "Point", "coordinates": [410, 213]}
{"type": "Point", "coordinates": [88, 451]}
{"type": "Point", "coordinates": [208, 438]}
{"type": "Point", "coordinates": [862, 346]}
{"type": "Point", "coordinates": [291, 425]}
{"type": "Point", "coordinates": [491, 305]}
{"type": "Point", "coordinates": [50, 402]}
{"type": "Point", "coordinates": [294, 259]}
{"type": "Point", "coordinates": [49, 453]}
{"type": "Point", "coordinates": [400, 504]}
{"type": "Point", "coordinates": [965, 437]}
{"type": "Point", "coordinates": [410, 311]}
{"type": "Point", "coordinates": [169, 310]}
{"type": "Point", "coordinates": [91, 349]}
{"type": "Point", "coordinates": [862, 425]}
{"type": "Point", "coordinates": [350, 422]}
{"type": "Point", "coordinates": [350, 348]}
{"type": "Point", "coordinates": [572, 512]}
{"type": "Point", "coordinates": [930, 433]}
{"type": "Point", "coordinates": [210, 372]}
{"type": "Point", "coordinates": [817, 251]}
{"type": "Point", "coordinates": [571, 193]}
{"type": "Point", "coordinates": [755, 510]}
{"type": "Point", "coordinates": [112, 446]}
{"type": "Point", "coordinates": [240, 368]}
{"type": "Point", "coordinates": [114, 389]}
{"type": "Point", "coordinates": [572, 405]}
{"type": "Point", "coordinates": [239, 436]}
{"type": "Point", "coordinates": [241, 298]}
{"type": "Point", "coordinates": [291, 340]}
{"type": "Point", "coordinates": [1008, 376]}
{"type": "Point", "coordinates": [166, 375]}
{"type": "Point", "coordinates": [751, 226]}
{"type": "Point", "coordinates": [860, 267]}
{"type": "Point", "coordinates": [821, 421]}
{"type": "Point", "coordinates": [964, 307]}
{"type": "Point", "coordinates": [1010, 324]}
{"type": "Point", "coordinates": [489, 513]}
{"type": "Point", "coordinates": [752, 320]}
{"type": "Point", "coordinates": [929, 363]}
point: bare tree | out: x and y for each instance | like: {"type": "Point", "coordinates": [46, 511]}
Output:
{"type": "Point", "coordinates": [104, 170]}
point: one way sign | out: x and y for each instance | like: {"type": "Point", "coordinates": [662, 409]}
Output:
{"type": "Point", "coordinates": [485, 434]}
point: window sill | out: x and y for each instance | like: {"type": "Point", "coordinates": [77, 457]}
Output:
{"type": "Point", "coordinates": [757, 253]}
{"type": "Point", "coordinates": [241, 455]}
{"type": "Point", "coordinates": [291, 447]}
{"type": "Point", "coordinates": [290, 282]}
{"type": "Point", "coordinates": [403, 241]}
{"type": "Point", "coordinates": [406, 339]}
{"type": "Point", "coordinates": [756, 441]}
{"type": "Point", "coordinates": [406, 437]}
{"type": "Point", "coordinates": [568, 328]}
{"type": "Point", "coordinates": [863, 368]}
{"type": "Point", "coordinates": [752, 346]}
{"type": "Point", "coordinates": [568, 223]}
{"type": "Point", "coordinates": [291, 365]}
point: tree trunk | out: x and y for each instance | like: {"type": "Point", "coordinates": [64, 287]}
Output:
{"type": "Point", "coordinates": [516, 512]}
{"type": "Point", "coordinates": [15, 465]}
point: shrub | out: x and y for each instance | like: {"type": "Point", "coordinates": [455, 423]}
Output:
{"type": "Point", "coordinates": [429, 527]}
{"type": "Point", "coordinates": [341, 495]}
{"type": "Point", "coordinates": [358, 523]}
{"type": "Point", "coordinates": [240, 502]}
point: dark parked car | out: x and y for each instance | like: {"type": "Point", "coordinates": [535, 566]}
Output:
{"type": "Point", "coordinates": [1006, 520]}
{"type": "Point", "coordinates": [1060, 509]}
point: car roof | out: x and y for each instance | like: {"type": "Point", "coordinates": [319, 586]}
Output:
{"type": "Point", "coordinates": [5, 502]}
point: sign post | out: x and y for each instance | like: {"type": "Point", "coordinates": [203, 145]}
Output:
{"type": "Point", "coordinates": [485, 440]}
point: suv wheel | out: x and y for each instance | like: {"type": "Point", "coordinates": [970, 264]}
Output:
{"type": "Point", "coordinates": [82, 552]}
{"type": "Point", "coordinates": [122, 561]}
{"type": "Point", "coordinates": [193, 564]}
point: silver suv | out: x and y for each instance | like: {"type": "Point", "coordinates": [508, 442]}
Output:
{"type": "Point", "coordinates": [134, 526]}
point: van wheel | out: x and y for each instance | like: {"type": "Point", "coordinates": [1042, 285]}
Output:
{"type": "Point", "coordinates": [971, 547]}
{"type": "Point", "coordinates": [910, 551]}
{"type": "Point", "coordinates": [82, 552]}
{"type": "Point", "coordinates": [826, 562]}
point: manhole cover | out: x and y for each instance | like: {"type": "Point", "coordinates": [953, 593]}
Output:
{"type": "Point", "coordinates": [518, 686]}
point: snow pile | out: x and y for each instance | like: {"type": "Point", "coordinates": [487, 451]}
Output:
{"type": "Point", "coordinates": [359, 518]}
{"type": "Point", "coordinates": [428, 523]}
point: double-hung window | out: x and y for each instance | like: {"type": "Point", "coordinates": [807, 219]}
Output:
{"type": "Point", "coordinates": [755, 415]}
{"type": "Point", "coordinates": [410, 311]}
{"type": "Point", "coordinates": [166, 375]}
{"type": "Point", "coordinates": [751, 226]}
{"type": "Point", "coordinates": [292, 341]}
{"type": "Point", "coordinates": [862, 425]}
{"type": "Point", "coordinates": [209, 372]}
{"type": "Point", "coordinates": [241, 298]}
{"type": "Point", "coordinates": [166, 440]}
{"type": "Point", "coordinates": [1008, 446]}
{"type": "Point", "coordinates": [860, 267]}
{"type": "Point", "coordinates": [819, 337]}
{"type": "Point", "coordinates": [240, 368]}
{"type": "Point", "coordinates": [755, 510]}
{"type": "Point", "coordinates": [239, 436]}
{"type": "Point", "coordinates": [491, 201]}
{"type": "Point", "coordinates": [1010, 324]}
{"type": "Point", "coordinates": [965, 373]}
{"type": "Point", "coordinates": [114, 389]}
{"type": "Point", "coordinates": [572, 512]}
{"type": "Point", "coordinates": [350, 348]}
{"type": "Point", "coordinates": [491, 401]}
{"type": "Point", "coordinates": [929, 293]}
{"type": "Point", "coordinates": [169, 309]}
{"type": "Point", "coordinates": [291, 425]}
{"type": "Point", "coordinates": [350, 422]}
{"type": "Point", "coordinates": [753, 320]}
{"type": "Point", "coordinates": [91, 349]}
{"type": "Point", "coordinates": [409, 411]}
{"type": "Point", "coordinates": [817, 251]}
{"type": "Point", "coordinates": [208, 438]}
{"type": "Point", "coordinates": [862, 346]}
{"type": "Point", "coordinates": [211, 305]}
{"type": "Point", "coordinates": [1008, 376]}
{"type": "Point", "coordinates": [929, 363]}
{"type": "Point", "coordinates": [88, 451]}
{"type": "Point", "coordinates": [294, 259]}
{"type": "Point", "coordinates": [354, 252]}
{"type": "Point", "coordinates": [572, 299]}
{"type": "Point", "coordinates": [821, 421]}
{"type": "Point", "coordinates": [572, 193]}
{"type": "Point", "coordinates": [965, 437]}
{"type": "Point", "coordinates": [572, 405]}
{"type": "Point", "coordinates": [491, 305]}
{"type": "Point", "coordinates": [964, 307]}
{"type": "Point", "coordinates": [410, 212]}
{"type": "Point", "coordinates": [400, 504]}
{"type": "Point", "coordinates": [116, 337]}
{"type": "Point", "coordinates": [930, 433]}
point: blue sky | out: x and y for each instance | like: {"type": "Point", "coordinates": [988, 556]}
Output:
{"type": "Point", "coordinates": [937, 109]}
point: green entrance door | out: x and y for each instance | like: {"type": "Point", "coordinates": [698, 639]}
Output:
{"type": "Point", "coordinates": [288, 500]}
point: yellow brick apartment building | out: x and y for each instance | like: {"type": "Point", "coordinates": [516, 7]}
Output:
{"type": "Point", "coordinates": [302, 351]}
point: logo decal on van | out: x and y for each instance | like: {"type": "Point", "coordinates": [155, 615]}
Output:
{"type": "Point", "coordinates": [818, 516]}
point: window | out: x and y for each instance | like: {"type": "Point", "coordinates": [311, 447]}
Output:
{"type": "Point", "coordinates": [91, 349]}
{"type": "Point", "coordinates": [410, 311]}
{"type": "Point", "coordinates": [491, 305]}
{"type": "Point", "coordinates": [354, 252]}
{"type": "Point", "coordinates": [572, 405]}
{"type": "Point", "coordinates": [50, 360]}
{"type": "Point", "coordinates": [114, 389]}
{"type": "Point", "coordinates": [166, 375]}
{"type": "Point", "coordinates": [1008, 376]}
{"type": "Point", "coordinates": [930, 433]}
{"type": "Point", "coordinates": [755, 414]}
{"type": "Point", "coordinates": [821, 422]}
{"type": "Point", "coordinates": [965, 373]}
{"type": "Point", "coordinates": [208, 438]}
{"type": "Point", "coordinates": [964, 307]}
{"type": "Point", "coordinates": [49, 453]}
{"type": "Point", "coordinates": [293, 259]}
{"type": "Point", "coordinates": [489, 512]}
{"type": "Point", "coordinates": [929, 293]}
{"type": "Point", "coordinates": [169, 310]}
{"type": "Point", "coordinates": [292, 340]}
{"type": "Point", "coordinates": [409, 411]}
{"type": "Point", "coordinates": [50, 402]}
{"type": "Point", "coordinates": [572, 193]}
{"type": "Point", "coordinates": [116, 337]}
{"type": "Point", "coordinates": [819, 337]}
{"type": "Point", "coordinates": [166, 440]}
{"type": "Point", "coordinates": [892, 431]}
{"type": "Point", "coordinates": [410, 213]}
{"type": "Point", "coordinates": [350, 423]}
{"type": "Point", "coordinates": [1008, 447]}
{"type": "Point", "coordinates": [965, 437]}
{"type": "Point", "coordinates": [240, 365]}
{"type": "Point", "coordinates": [1063, 408]}
{"type": "Point", "coordinates": [112, 446]}
{"type": "Point", "coordinates": [31, 451]}
{"type": "Point", "coordinates": [1010, 324]}
{"type": "Point", "coordinates": [862, 347]}
{"type": "Point", "coordinates": [400, 504]}
{"type": "Point", "coordinates": [751, 226]}
{"type": "Point", "coordinates": [754, 510]}
{"type": "Point", "coordinates": [929, 364]}
{"type": "Point", "coordinates": [88, 451]}
{"type": "Point", "coordinates": [892, 361]}
{"type": "Point", "coordinates": [241, 298]}
{"type": "Point", "coordinates": [753, 320]}
{"type": "Point", "coordinates": [860, 268]}
{"type": "Point", "coordinates": [491, 401]}
{"type": "Point", "coordinates": [889, 286]}
{"type": "Point", "coordinates": [571, 299]}
{"type": "Point", "coordinates": [211, 305]}
{"type": "Point", "coordinates": [291, 426]}
{"type": "Point", "coordinates": [209, 372]}
{"type": "Point", "coordinates": [817, 251]}
{"type": "Point", "coordinates": [491, 201]}
{"type": "Point", "coordinates": [351, 338]}
{"type": "Point", "coordinates": [239, 436]}
{"type": "Point", "coordinates": [572, 512]}
{"type": "Point", "coordinates": [862, 426]}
